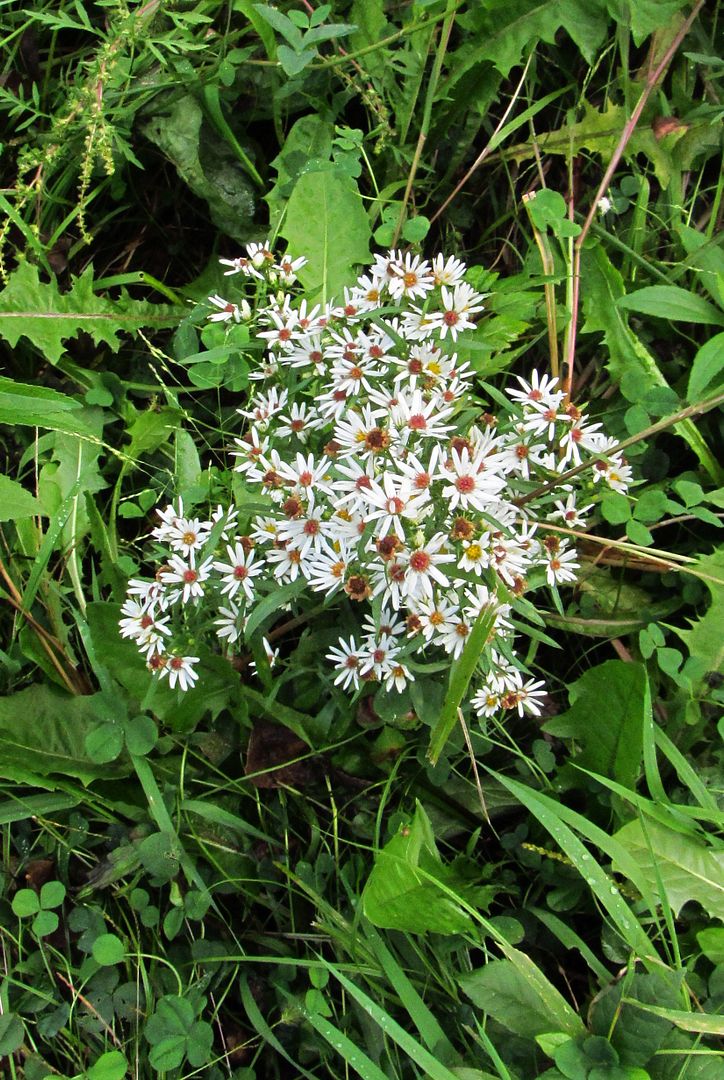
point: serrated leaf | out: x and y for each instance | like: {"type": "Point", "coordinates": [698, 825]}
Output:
{"type": "Point", "coordinates": [48, 318]}
{"type": "Point", "coordinates": [326, 222]}
{"type": "Point", "coordinates": [705, 640]}
{"type": "Point", "coordinates": [15, 501]}
{"type": "Point", "coordinates": [685, 867]}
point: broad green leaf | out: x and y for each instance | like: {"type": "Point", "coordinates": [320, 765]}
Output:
{"type": "Point", "coordinates": [12, 1034]}
{"type": "Point", "coordinates": [635, 1035]}
{"type": "Point", "coordinates": [705, 376]}
{"type": "Point", "coordinates": [646, 15]}
{"type": "Point", "coordinates": [609, 705]}
{"type": "Point", "coordinates": [705, 640]}
{"type": "Point", "coordinates": [35, 806]}
{"type": "Point", "coordinates": [701, 1023]}
{"type": "Point", "coordinates": [684, 867]}
{"type": "Point", "coordinates": [16, 501]}
{"type": "Point", "coordinates": [403, 891]}
{"type": "Point", "coordinates": [48, 317]}
{"type": "Point", "coordinates": [326, 222]}
{"type": "Point", "coordinates": [673, 304]}
{"type": "Point", "coordinates": [109, 1066]}
{"type": "Point", "coordinates": [206, 163]}
{"type": "Point", "coordinates": [520, 999]}
{"type": "Point", "coordinates": [309, 139]}
{"type": "Point", "coordinates": [43, 731]}
{"type": "Point", "coordinates": [603, 287]}
{"type": "Point", "coordinates": [501, 32]}
{"type": "Point", "coordinates": [36, 406]}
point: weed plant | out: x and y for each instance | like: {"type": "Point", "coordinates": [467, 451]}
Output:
{"type": "Point", "coordinates": [269, 874]}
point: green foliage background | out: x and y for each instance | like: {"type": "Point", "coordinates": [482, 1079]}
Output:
{"type": "Point", "coordinates": [259, 880]}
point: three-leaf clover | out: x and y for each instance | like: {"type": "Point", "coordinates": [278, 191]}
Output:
{"type": "Point", "coordinates": [175, 1034]}
{"type": "Point", "coordinates": [27, 903]}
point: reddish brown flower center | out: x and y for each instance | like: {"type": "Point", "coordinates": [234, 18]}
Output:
{"type": "Point", "coordinates": [176, 663]}
{"type": "Point", "coordinates": [297, 425]}
{"type": "Point", "coordinates": [145, 622]}
{"type": "Point", "coordinates": [451, 318]}
{"type": "Point", "coordinates": [377, 439]}
{"type": "Point", "coordinates": [417, 422]}
{"type": "Point", "coordinates": [240, 572]}
{"type": "Point", "coordinates": [420, 561]}
{"type": "Point", "coordinates": [190, 576]}
{"type": "Point", "coordinates": [465, 484]}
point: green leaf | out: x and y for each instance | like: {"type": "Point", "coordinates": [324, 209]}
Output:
{"type": "Point", "coordinates": [52, 894]}
{"type": "Point", "coordinates": [673, 304]}
{"type": "Point", "coordinates": [25, 903]}
{"type": "Point", "coordinates": [684, 867]}
{"type": "Point", "coordinates": [15, 501]}
{"type": "Point", "coordinates": [603, 288]}
{"type": "Point", "coordinates": [160, 855]}
{"type": "Point", "coordinates": [293, 62]}
{"type": "Point", "coordinates": [634, 1034]}
{"type": "Point", "coordinates": [45, 923]}
{"type": "Point", "coordinates": [207, 164]}
{"type": "Point", "coordinates": [646, 15]}
{"type": "Point", "coordinates": [460, 676]}
{"type": "Point", "coordinates": [12, 1034]}
{"type": "Point", "coordinates": [326, 222]}
{"type": "Point", "coordinates": [141, 735]}
{"type": "Point", "coordinates": [711, 943]}
{"type": "Point", "coordinates": [705, 640]}
{"type": "Point", "coordinates": [309, 139]}
{"type": "Point", "coordinates": [706, 370]}
{"type": "Point", "coordinates": [522, 1003]}
{"type": "Point", "coordinates": [108, 949]}
{"type": "Point", "coordinates": [43, 731]}
{"type": "Point", "coordinates": [501, 32]}
{"type": "Point", "coordinates": [403, 891]}
{"type": "Point", "coordinates": [109, 1066]}
{"type": "Point", "coordinates": [104, 743]}
{"type": "Point", "coordinates": [610, 704]}
{"type": "Point", "coordinates": [48, 318]}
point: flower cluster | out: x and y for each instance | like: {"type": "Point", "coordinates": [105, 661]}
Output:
{"type": "Point", "coordinates": [385, 485]}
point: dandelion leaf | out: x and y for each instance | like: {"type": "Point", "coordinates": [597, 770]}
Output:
{"type": "Point", "coordinates": [39, 311]}
{"type": "Point", "coordinates": [327, 223]}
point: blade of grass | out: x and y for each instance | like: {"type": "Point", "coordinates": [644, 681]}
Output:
{"type": "Point", "coordinates": [554, 817]}
{"type": "Point", "coordinates": [260, 1025]}
{"type": "Point", "coordinates": [354, 1057]}
{"type": "Point", "coordinates": [460, 677]}
{"type": "Point", "coordinates": [430, 1031]}
{"type": "Point", "coordinates": [434, 1069]}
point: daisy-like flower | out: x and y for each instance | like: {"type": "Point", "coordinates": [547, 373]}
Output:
{"type": "Point", "coordinates": [413, 416]}
{"type": "Point", "coordinates": [411, 280]}
{"type": "Point", "coordinates": [180, 671]}
{"type": "Point", "coordinates": [264, 406]}
{"type": "Point", "coordinates": [228, 312]}
{"type": "Point", "coordinates": [346, 660]}
{"type": "Point", "coordinates": [561, 566]}
{"type": "Point", "coordinates": [540, 391]}
{"type": "Point", "coordinates": [454, 638]}
{"type": "Point", "coordinates": [360, 434]}
{"type": "Point", "coordinates": [152, 593]}
{"type": "Point", "coordinates": [141, 624]}
{"type": "Point", "coordinates": [437, 614]}
{"type": "Point", "coordinates": [579, 436]}
{"type": "Point", "coordinates": [458, 305]}
{"type": "Point", "coordinates": [240, 571]}
{"type": "Point", "coordinates": [288, 563]}
{"type": "Point", "coordinates": [287, 268]}
{"type": "Point", "coordinates": [486, 701]}
{"type": "Point", "coordinates": [474, 557]}
{"type": "Point", "coordinates": [240, 265]}
{"type": "Point", "coordinates": [471, 484]}
{"type": "Point", "coordinates": [530, 697]}
{"type": "Point", "coordinates": [367, 294]}
{"type": "Point", "coordinates": [305, 474]}
{"type": "Point", "coordinates": [392, 502]}
{"type": "Point", "coordinates": [398, 676]}
{"type": "Point", "coordinates": [423, 566]}
{"type": "Point", "coordinates": [229, 624]}
{"type": "Point", "coordinates": [283, 331]}
{"type": "Point", "coordinates": [188, 578]}
{"type": "Point", "coordinates": [450, 271]}
{"type": "Point", "coordinates": [260, 255]}
{"type": "Point", "coordinates": [300, 421]}
{"type": "Point", "coordinates": [328, 569]}
{"type": "Point", "coordinates": [309, 530]}
{"type": "Point", "coordinates": [569, 513]}
{"type": "Point", "coordinates": [353, 480]}
{"type": "Point", "coordinates": [376, 659]}
{"type": "Point", "coordinates": [188, 535]}
{"type": "Point", "coordinates": [251, 449]}
{"type": "Point", "coordinates": [420, 476]}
